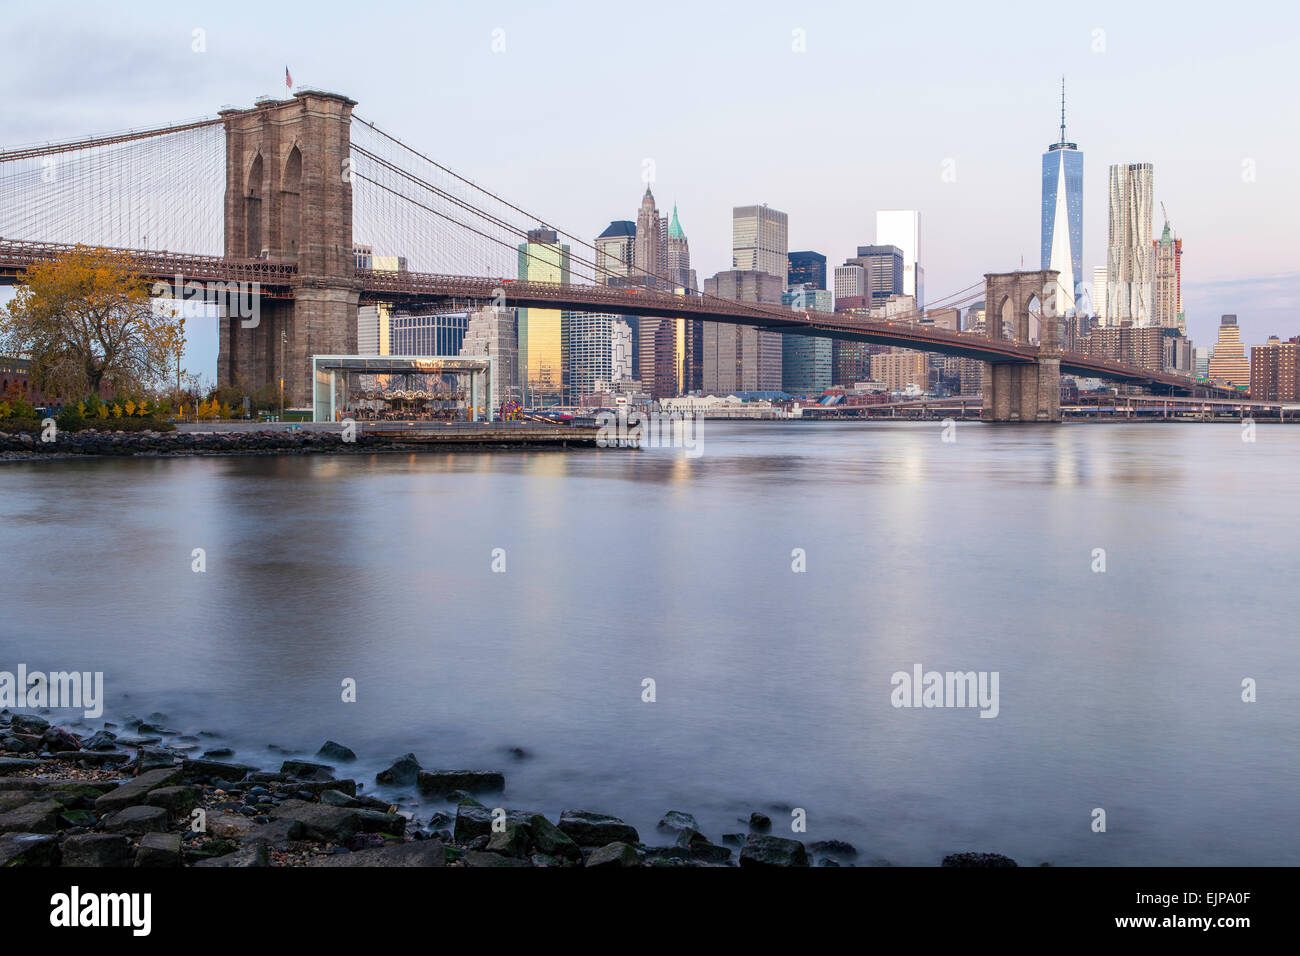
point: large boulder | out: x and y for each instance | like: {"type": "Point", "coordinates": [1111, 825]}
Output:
{"type": "Point", "coordinates": [57, 740]}
{"type": "Point", "coordinates": [402, 773]}
{"type": "Point", "coordinates": [29, 849]}
{"type": "Point", "coordinates": [328, 824]}
{"type": "Point", "coordinates": [29, 724]}
{"type": "Point", "coordinates": [10, 765]}
{"type": "Point", "coordinates": [514, 840]}
{"type": "Point", "coordinates": [415, 853]}
{"type": "Point", "coordinates": [675, 821]}
{"type": "Point", "coordinates": [277, 833]}
{"type": "Point", "coordinates": [159, 849]}
{"type": "Point", "coordinates": [137, 820]}
{"type": "Point", "coordinates": [769, 851]}
{"type": "Point", "coordinates": [553, 841]}
{"type": "Point", "coordinates": [306, 770]}
{"type": "Point", "coordinates": [335, 751]}
{"type": "Point", "coordinates": [474, 820]}
{"type": "Point", "coordinates": [134, 791]}
{"type": "Point", "coordinates": [205, 771]}
{"type": "Point", "coordinates": [177, 801]}
{"type": "Point", "coordinates": [39, 816]}
{"type": "Point", "coordinates": [96, 849]}
{"type": "Point", "coordinates": [255, 855]}
{"type": "Point", "coordinates": [596, 829]}
{"type": "Point", "coordinates": [615, 854]}
{"type": "Point", "coordinates": [437, 783]}
{"type": "Point", "coordinates": [100, 740]}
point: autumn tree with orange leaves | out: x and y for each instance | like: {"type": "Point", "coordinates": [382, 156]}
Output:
{"type": "Point", "coordinates": [85, 320]}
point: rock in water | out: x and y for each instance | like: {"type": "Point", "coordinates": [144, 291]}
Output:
{"type": "Point", "coordinates": [614, 854]}
{"type": "Point", "coordinates": [596, 829]}
{"type": "Point", "coordinates": [441, 782]}
{"type": "Point", "coordinates": [675, 821]}
{"type": "Point", "coordinates": [335, 751]}
{"type": "Point", "coordinates": [762, 850]}
{"type": "Point", "coordinates": [402, 773]}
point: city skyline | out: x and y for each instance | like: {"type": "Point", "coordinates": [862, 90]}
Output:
{"type": "Point", "coordinates": [980, 198]}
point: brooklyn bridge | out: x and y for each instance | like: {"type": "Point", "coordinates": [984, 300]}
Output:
{"type": "Point", "coordinates": [275, 197]}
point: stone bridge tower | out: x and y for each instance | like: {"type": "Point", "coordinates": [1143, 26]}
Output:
{"type": "Point", "coordinates": [1023, 391]}
{"type": "Point", "coordinates": [289, 199]}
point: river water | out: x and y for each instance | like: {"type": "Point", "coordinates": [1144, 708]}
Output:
{"type": "Point", "coordinates": [1118, 689]}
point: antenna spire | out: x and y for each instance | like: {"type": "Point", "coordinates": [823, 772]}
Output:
{"type": "Point", "coordinates": [1062, 109]}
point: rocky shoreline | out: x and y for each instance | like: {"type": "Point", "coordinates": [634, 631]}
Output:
{"type": "Point", "coordinates": [140, 794]}
{"type": "Point", "coordinates": [22, 446]}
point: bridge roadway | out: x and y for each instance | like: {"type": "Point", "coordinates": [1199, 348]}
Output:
{"type": "Point", "coordinates": [279, 280]}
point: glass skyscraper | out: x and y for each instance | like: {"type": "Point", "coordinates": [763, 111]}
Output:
{"type": "Point", "coordinates": [543, 258]}
{"type": "Point", "coordinates": [1063, 215]}
{"type": "Point", "coordinates": [807, 267]}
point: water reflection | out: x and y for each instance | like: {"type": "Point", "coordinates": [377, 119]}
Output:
{"type": "Point", "coordinates": [1119, 689]}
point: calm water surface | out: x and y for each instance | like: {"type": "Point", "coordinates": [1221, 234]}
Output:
{"type": "Point", "coordinates": [1118, 690]}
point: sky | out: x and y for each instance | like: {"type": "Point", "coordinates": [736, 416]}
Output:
{"type": "Point", "coordinates": [827, 111]}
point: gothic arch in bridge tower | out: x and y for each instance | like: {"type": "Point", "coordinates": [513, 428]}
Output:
{"type": "Point", "coordinates": [253, 209]}
{"type": "Point", "coordinates": [286, 196]}
{"type": "Point", "coordinates": [291, 202]}
{"type": "Point", "coordinates": [1023, 391]}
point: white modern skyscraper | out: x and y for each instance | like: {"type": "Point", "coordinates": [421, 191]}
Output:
{"type": "Point", "coordinates": [902, 228]}
{"type": "Point", "coordinates": [1130, 257]}
{"type": "Point", "coordinates": [850, 282]}
{"type": "Point", "coordinates": [1099, 297]}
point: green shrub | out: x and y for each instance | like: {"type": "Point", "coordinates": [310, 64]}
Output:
{"type": "Point", "coordinates": [15, 425]}
{"type": "Point", "coordinates": [69, 419]}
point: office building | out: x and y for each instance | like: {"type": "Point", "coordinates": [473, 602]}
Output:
{"type": "Point", "coordinates": [1168, 281]}
{"type": "Point", "coordinates": [1229, 364]}
{"type": "Point", "coordinates": [806, 360]}
{"type": "Point", "coordinates": [1062, 232]}
{"type": "Point", "coordinates": [759, 241]}
{"type": "Point", "coordinates": [678, 255]}
{"type": "Point", "coordinates": [883, 272]}
{"type": "Point", "coordinates": [439, 333]}
{"type": "Point", "coordinates": [590, 350]}
{"type": "Point", "coordinates": [495, 333]}
{"type": "Point", "coordinates": [807, 268]}
{"type": "Point", "coordinates": [374, 329]}
{"type": "Point", "coordinates": [741, 358]}
{"type": "Point", "coordinates": [851, 286]}
{"type": "Point", "coordinates": [542, 258]}
{"type": "Point", "coordinates": [1098, 297]}
{"type": "Point", "coordinates": [1203, 363]}
{"type": "Point", "coordinates": [615, 252]}
{"type": "Point", "coordinates": [650, 247]}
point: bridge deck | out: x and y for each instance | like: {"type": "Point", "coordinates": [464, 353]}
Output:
{"type": "Point", "coordinates": [279, 279]}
